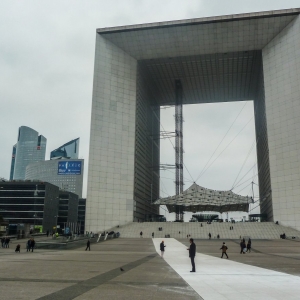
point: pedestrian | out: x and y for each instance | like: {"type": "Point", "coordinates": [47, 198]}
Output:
{"type": "Point", "coordinates": [209, 236]}
{"type": "Point", "coordinates": [152, 234]}
{"type": "Point", "coordinates": [32, 244]}
{"type": "Point", "coordinates": [28, 245]}
{"type": "Point", "coordinates": [192, 254]}
{"type": "Point", "coordinates": [218, 236]}
{"type": "Point", "coordinates": [201, 225]}
{"type": "Point", "coordinates": [249, 247]}
{"type": "Point", "coordinates": [7, 240]}
{"type": "Point", "coordinates": [162, 249]}
{"type": "Point", "coordinates": [243, 247]}
{"type": "Point", "coordinates": [224, 249]}
{"type": "Point", "coordinates": [2, 241]}
{"type": "Point", "coordinates": [88, 245]}
{"type": "Point", "coordinates": [47, 233]}
{"type": "Point", "coordinates": [18, 248]}
{"type": "Point", "coordinates": [141, 234]}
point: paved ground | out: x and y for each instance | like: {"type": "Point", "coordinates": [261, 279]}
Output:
{"type": "Point", "coordinates": [76, 274]}
{"type": "Point", "coordinates": [220, 279]}
{"type": "Point", "coordinates": [278, 255]}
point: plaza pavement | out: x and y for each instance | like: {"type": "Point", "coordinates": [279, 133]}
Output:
{"type": "Point", "coordinates": [270, 272]}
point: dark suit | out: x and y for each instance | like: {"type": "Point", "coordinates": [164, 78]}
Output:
{"type": "Point", "coordinates": [192, 254]}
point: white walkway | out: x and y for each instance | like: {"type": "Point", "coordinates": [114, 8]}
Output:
{"type": "Point", "coordinates": [219, 279]}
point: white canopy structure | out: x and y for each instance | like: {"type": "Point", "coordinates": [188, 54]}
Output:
{"type": "Point", "coordinates": [197, 198]}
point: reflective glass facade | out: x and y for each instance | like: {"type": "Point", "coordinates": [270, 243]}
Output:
{"type": "Point", "coordinates": [30, 148]}
{"type": "Point", "coordinates": [68, 150]}
{"type": "Point", "coordinates": [13, 158]}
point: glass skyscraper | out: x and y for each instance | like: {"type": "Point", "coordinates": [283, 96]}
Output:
{"type": "Point", "coordinates": [31, 147]}
{"type": "Point", "coordinates": [13, 158]}
{"type": "Point", "coordinates": [68, 150]}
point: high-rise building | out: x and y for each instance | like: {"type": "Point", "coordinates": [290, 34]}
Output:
{"type": "Point", "coordinates": [31, 147]}
{"type": "Point", "coordinates": [13, 158]}
{"type": "Point", "coordinates": [68, 150]}
{"type": "Point", "coordinates": [67, 174]}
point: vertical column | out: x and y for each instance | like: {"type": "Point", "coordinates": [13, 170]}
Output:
{"type": "Point", "coordinates": [178, 146]}
{"type": "Point", "coordinates": [112, 139]}
{"type": "Point", "coordinates": [281, 63]}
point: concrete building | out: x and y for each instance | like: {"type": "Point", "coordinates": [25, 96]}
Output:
{"type": "Point", "coordinates": [31, 147]}
{"type": "Point", "coordinates": [67, 174]}
{"type": "Point", "coordinates": [254, 56]}
{"type": "Point", "coordinates": [33, 203]}
{"type": "Point", "coordinates": [38, 204]}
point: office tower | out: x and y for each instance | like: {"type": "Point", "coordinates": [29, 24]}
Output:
{"type": "Point", "coordinates": [31, 147]}
{"type": "Point", "coordinates": [67, 174]}
{"type": "Point", "coordinates": [68, 150]}
{"type": "Point", "coordinates": [13, 158]}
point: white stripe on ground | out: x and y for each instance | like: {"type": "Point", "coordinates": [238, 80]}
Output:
{"type": "Point", "coordinates": [217, 278]}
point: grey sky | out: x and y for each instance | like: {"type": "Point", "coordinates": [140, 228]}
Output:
{"type": "Point", "coordinates": [46, 62]}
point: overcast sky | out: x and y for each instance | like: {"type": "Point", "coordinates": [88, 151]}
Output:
{"type": "Point", "coordinates": [46, 74]}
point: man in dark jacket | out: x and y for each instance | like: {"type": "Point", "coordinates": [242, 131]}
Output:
{"type": "Point", "coordinates": [32, 244]}
{"type": "Point", "coordinates": [162, 248]}
{"type": "Point", "coordinates": [192, 254]}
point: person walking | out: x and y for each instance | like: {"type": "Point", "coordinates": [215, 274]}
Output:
{"type": "Point", "coordinates": [152, 234]}
{"type": "Point", "coordinates": [32, 244]}
{"type": "Point", "coordinates": [88, 245]}
{"type": "Point", "coordinates": [224, 249]}
{"type": "Point", "coordinates": [162, 248]}
{"type": "Point", "coordinates": [47, 233]}
{"type": "Point", "coordinates": [192, 254]}
{"type": "Point", "coordinates": [249, 247]}
{"type": "Point", "coordinates": [141, 234]}
{"type": "Point", "coordinates": [7, 240]}
{"type": "Point", "coordinates": [209, 236]}
{"type": "Point", "coordinates": [18, 248]}
{"type": "Point", "coordinates": [243, 247]}
{"type": "Point", "coordinates": [28, 245]}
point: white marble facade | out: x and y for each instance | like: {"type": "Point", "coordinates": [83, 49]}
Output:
{"type": "Point", "coordinates": [111, 157]}
{"type": "Point", "coordinates": [281, 64]}
{"type": "Point", "coordinates": [236, 44]}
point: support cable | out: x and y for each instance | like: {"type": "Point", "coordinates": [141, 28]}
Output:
{"type": "Point", "coordinates": [251, 148]}
{"type": "Point", "coordinates": [222, 140]}
{"type": "Point", "coordinates": [224, 149]}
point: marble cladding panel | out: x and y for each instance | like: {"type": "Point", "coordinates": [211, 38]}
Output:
{"type": "Point", "coordinates": [111, 160]}
{"type": "Point", "coordinates": [281, 62]}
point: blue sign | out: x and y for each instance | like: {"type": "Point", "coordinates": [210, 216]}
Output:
{"type": "Point", "coordinates": [68, 167]}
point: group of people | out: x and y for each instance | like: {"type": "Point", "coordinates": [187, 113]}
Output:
{"type": "Point", "coordinates": [191, 249]}
{"type": "Point", "coordinates": [245, 247]}
{"type": "Point", "coordinates": [5, 241]}
{"type": "Point", "coordinates": [30, 245]}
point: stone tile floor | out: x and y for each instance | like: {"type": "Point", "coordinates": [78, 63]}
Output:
{"type": "Point", "coordinates": [95, 274]}
{"type": "Point", "coordinates": [271, 271]}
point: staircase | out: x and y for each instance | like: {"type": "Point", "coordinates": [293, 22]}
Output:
{"type": "Point", "coordinates": [255, 230]}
